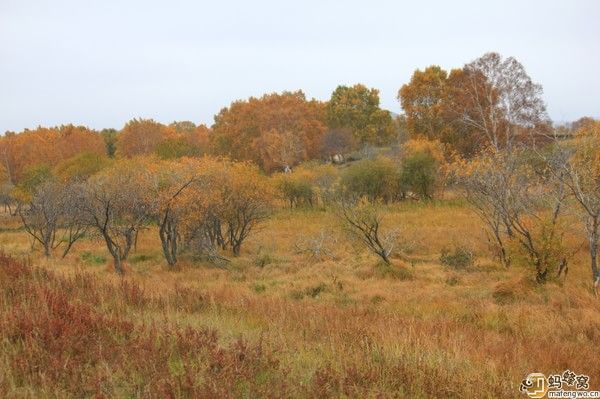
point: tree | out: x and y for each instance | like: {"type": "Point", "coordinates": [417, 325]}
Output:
{"type": "Point", "coordinates": [490, 101]}
{"type": "Point", "coordinates": [110, 141]}
{"type": "Point", "coordinates": [424, 167]}
{"type": "Point", "coordinates": [273, 130]}
{"type": "Point", "coordinates": [246, 199]}
{"type": "Point", "coordinates": [419, 173]}
{"type": "Point", "coordinates": [81, 167]}
{"type": "Point", "coordinates": [581, 173]}
{"type": "Point", "coordinates": [141, 137]}
{"type": "Point", "coordinates": [363, 221]}
{"type": "Point", "coordinates": [337, 142]}
{"type": "Point", "coordinates": [49, 146]}
{"type": "Point", "coordinates": [51, 215]}
{"type": "Point", "coordinates": [280, 150]}
{"type": "Point", "coordinates": [183, 127]}
{"type": "Point", "coordinates": [497, 98]}
{"type": "Point", "coordinates": [6, 195]}
{"type": "Point", "coordinates": [357, 108]}
{"type": "Point", "coordinates": [33, 177]}
{"type": "Point", "coordinates": [423, 101]}
{"type": "Point", "coordinates": [296, 188]}
{"type": "Point", "coordinates": [185, 195]}
{"type": "Point", "coordinates": [174, 148]}
{"type": "Point", "coordinates": [519, 201]}
{"type": "Point", "coordinates": [119, 201]}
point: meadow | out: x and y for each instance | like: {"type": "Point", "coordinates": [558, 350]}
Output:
{"type": "Point", "coordinates": [279, 322]}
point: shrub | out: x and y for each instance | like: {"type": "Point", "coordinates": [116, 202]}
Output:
{"type": "Point", "coordinates": [459, 258]}
{"type": "Point", "coordinates": [296, 189]}
{"type": "Point", "coordinates": [397, 273]}
{"type": "Point", "coordinates": [264, 259]}
{"type": "Point", "coordinates": [316, 290]}
{"type": "Point", "coordinates": [92, 259]}
{"type": "Point", "coordinates": [375, 179]}
{"type": "Point", "coordinates": [419, 175]}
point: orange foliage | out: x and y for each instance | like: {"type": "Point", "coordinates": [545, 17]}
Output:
{"type": "Point", "coordinates": [142, 136]}
{"type": "Point", "coordinates": [274, 130]}
{"type": "Point", "coordinates": [46, 146]}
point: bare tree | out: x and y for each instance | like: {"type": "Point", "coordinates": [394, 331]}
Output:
{"type": "Point", "coordinates": [6, 198]}
{"type": "Point", "coordinates": [363, 222]}
{"type": "Point", "coordinates": [580, 171]}
{"type": "Point", "coordinates": [52, 216]}
{"type": "Point", "coordinates": [487, 187]}
{"type": "Point", "coordinates": [41, 216]}
{"type": "Point", "coordinates": [317, 247]}
{"type": "Point", "coordinates": [519, 200]}
{"type": "Point", "coordinates": [336, 143]}
{"type": "Point", "coordinates": [74, 223]}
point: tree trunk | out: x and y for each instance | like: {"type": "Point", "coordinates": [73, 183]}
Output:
{"type": "Point", "coordinates": [593, 241]}
{"type": "Point", "coordinates": [236, 249]}
{"type": "Point", "coordinates": [47, 249]}
{"type": "Point", "coordinates": [168, 239]}
{"type": "Point", "coordinates": [118, 264]}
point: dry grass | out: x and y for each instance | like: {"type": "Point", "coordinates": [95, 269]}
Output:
{"type": "Point", "coordinates": [330, 327]}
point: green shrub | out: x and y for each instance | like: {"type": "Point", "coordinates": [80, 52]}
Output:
{"type": "Point", "coordinates": [459, 258]}
{"type": "Point", "coordinates": [259, 288]}
{"type": "Point", "coordinates": [397, 273]}
{"type": "Point", "coordinates": [296, 191]}
{"type": "Point", "coordinates": [375, 179]}
{"type": "Point", "coordinates": [92, 259]}
{"type": "Point", "coordinates": [141, 258]}
{"type": "Point", "coordinates": [316, 290]}
{"type": "Point", "coordinates": [264, 259]}
{"type": "Point", "coordinates": [419, 175]}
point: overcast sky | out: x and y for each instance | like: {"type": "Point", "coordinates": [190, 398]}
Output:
{"type": "Point", "coordinates": [101, 63]}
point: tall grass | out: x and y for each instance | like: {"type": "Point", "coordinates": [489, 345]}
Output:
{"type": "Point", "coordinates": [294, 327]}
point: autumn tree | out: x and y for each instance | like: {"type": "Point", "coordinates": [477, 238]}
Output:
{"type": "Point", "coordinates": [247, 201]}
{"type": "Point", "coordinates": [496, 98]}
{"type": "Point", "coordinates": [6, 197]}
{"type": "Point", "coordinates": [119, 201]}
{"type": "Point", "coordinates": [280, 150]}
{"type": "Point", "coordinates": [357, 108]}
{"type": "Point", "coordinates": [182, 127]}
{"type": "Point", "coordinates": [423, 100]}
{"type": "Point", "coordinates": [274, 131]}
{"type": "Point", "coordinates": [520, 201]}
{"type": "Point", "coordinates": [141, 137]}
{"type": "Point", "coordinates": [490, 101]}
{"type": "Point", "coordinates": [186, 197]}
{"type": "Point", "coordinates": [81, 167]}
{"type": "Point", "coordinates": [581, 173]}
{"type": "Point", "coordinates": [45, 145]}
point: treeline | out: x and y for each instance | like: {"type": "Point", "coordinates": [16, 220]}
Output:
{"type": "Point", "coordinates": [274, 131]}
{"type": "Point", "coordinates": [201, 205]}
{"type": "Point", "coordinates": [482, 129]}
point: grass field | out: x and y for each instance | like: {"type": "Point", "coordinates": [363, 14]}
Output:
{"type": "Point", "coordinates": [279, 323]}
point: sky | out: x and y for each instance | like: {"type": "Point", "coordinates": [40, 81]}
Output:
{"type": "Point", "coordinates": [102, 63]}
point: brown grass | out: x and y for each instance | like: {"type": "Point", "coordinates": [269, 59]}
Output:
{"type": "Point", "coordinates": [279, 324]}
